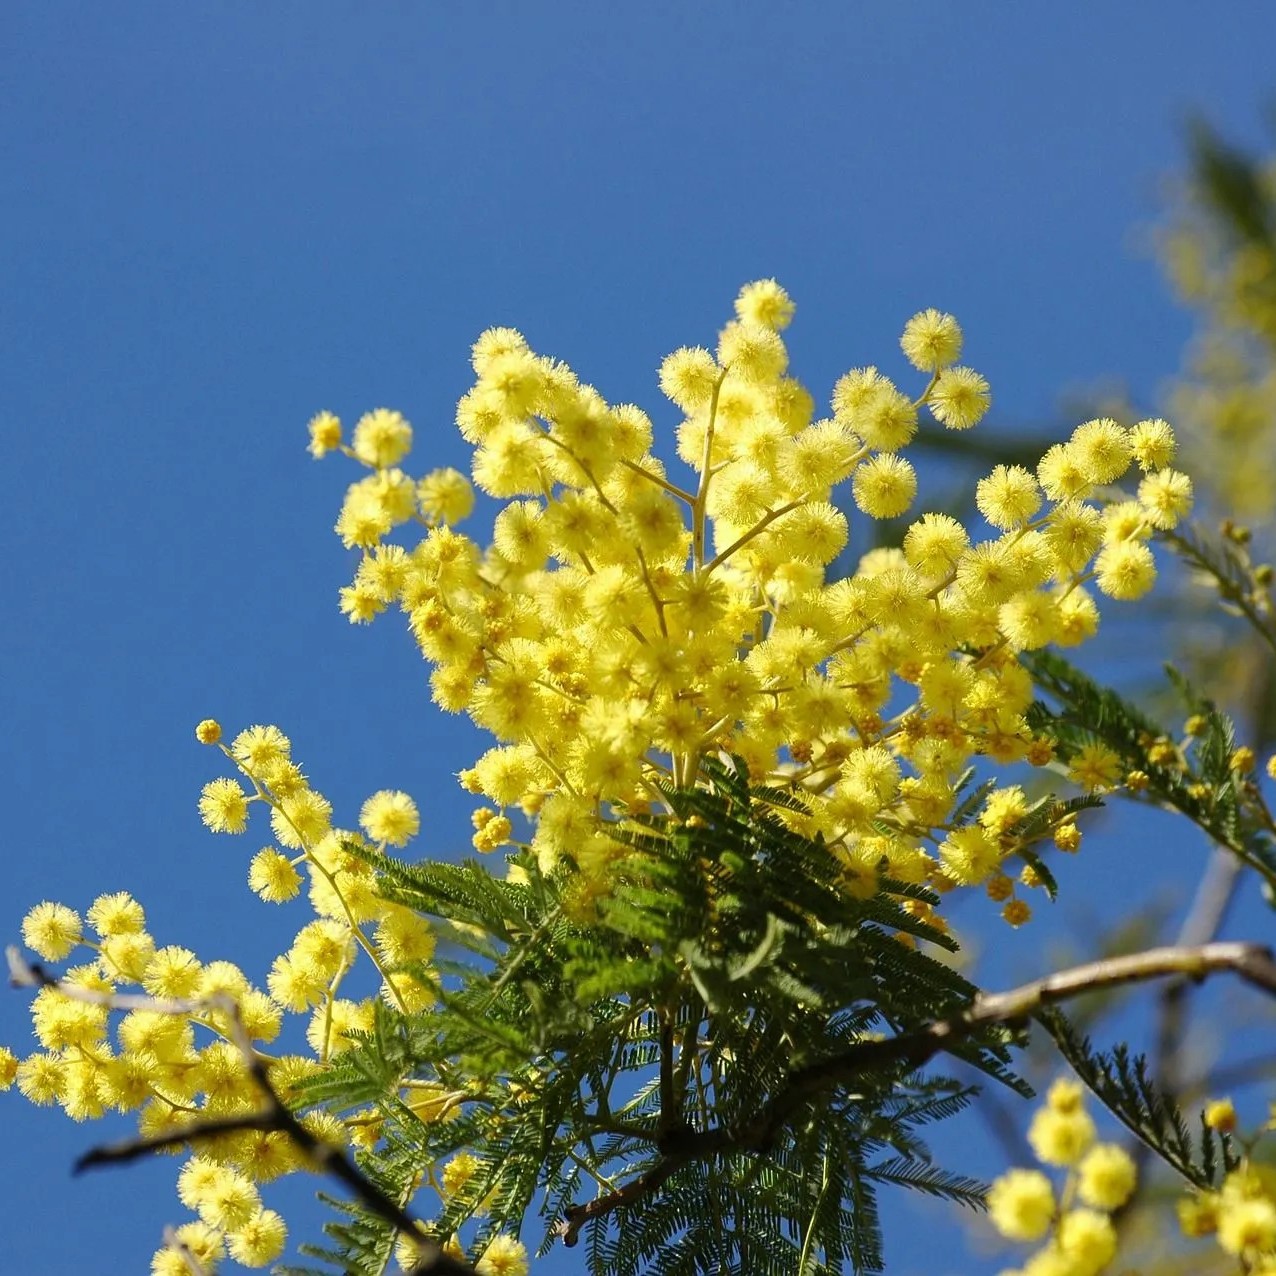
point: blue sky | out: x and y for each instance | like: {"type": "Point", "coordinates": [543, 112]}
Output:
{"type": "Point", "coordinates": [219, 219]}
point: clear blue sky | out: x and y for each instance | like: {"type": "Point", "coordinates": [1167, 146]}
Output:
{"type": "Point", "coordinates": [220, 218]}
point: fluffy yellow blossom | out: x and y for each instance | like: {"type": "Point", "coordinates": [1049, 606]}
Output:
{"type": "Point", "coordinates": [390, 816]}
{"type": "Point", "coordinates": [1220, 1114]}
{"type": "Point", "coordinates": [1106, 1176]}
{"type": "Point", "coordinates": [209, 731]}
{"type": "Point", "coordinates": [959, 398]}
{"type": "Point", "coordinates": [931, 340]}
{"type": "Point", "coordinates": [223, 806]}
{"type": "Point", "coordinates": [259, 1241]}
{"type": "Point", "coordinates": [1087, 1239]}
{"type": "Point", "coordinates": [325, 434]}
{"type": "Point", "coordinates": [764, 302]}
{"type": "Point", "coordinates": [1060, 1137]}
{"type": "Point", "coordinates": [51, 930]}
{"type": "Point", "coordinates": [1152, 444]}
{"type": "Point", "coordinates": [1095, 767]}
{"type": "Point", "coordinates": [445, 496]}
{"type": "Point", "coordinates": [381, 439]}
{"type": "Point", "coordinates": [504, 1256]}
{"type": "Point", "coordinates": [272, 876]}
{"type": "Point", "coordinates": [1021, 1205]}
{"type": "Point", "coordinates": [884, 486]}
{"type": "Point", "coordinates": [116, 914]}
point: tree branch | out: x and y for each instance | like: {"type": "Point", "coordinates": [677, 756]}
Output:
{"type": "Point", "coordinates": [1254, 963]}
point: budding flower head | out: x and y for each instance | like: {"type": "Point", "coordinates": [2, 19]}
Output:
{"type": "Point", "coordinates": [325, 434]}
{"type": "Point", "coordinates": [1220, 1115]}
{"type": "Point", "coordinates": [209, 731]}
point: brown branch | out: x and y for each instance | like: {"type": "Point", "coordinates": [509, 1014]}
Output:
{"type": "Point", "coordinates": [275, 1116]}
{"type": "Point", "coordinates": [1254, 963]}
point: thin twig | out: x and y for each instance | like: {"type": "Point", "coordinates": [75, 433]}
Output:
{"type": "Point", "coordinates": [275, 1115]}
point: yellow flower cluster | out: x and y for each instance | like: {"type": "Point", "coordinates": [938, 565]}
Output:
{"type": "Point", "coordinates": [1241, 1215]}
{"type": "Point", "coordinates": [624, 624]}
{"type": "Point", "coordinates": [174, 1068]}
{"type": "Point", "coordinates": [1024, 1206]}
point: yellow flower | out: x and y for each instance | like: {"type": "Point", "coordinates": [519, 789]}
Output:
{"type": "Point", "coordinates": [390, 816]}
{"type": "Point", "coordinates": [764, 302]}
{"type": "Point", "coordinates": [1021, 1205]}
{"type": "Point", "coordinates": [1095, 766]}
{"type": "Point", "coordinates": [959, 398]}
{"type": "Point", "coordinates": [445, 496]}
{"type": "Point", "coordinates": [209, 731]}
{"type": "Point", "coordinates": [272, 876]}
{"type": "Point", "coordinates": [931, 340]}
{"type": "Point", "coordinates": [117, 914]}
{"type": "Point", "coordinates": [1088, 1239]}
{"type": "Point", "coordinates": [1220, 1114]}
{"type": "Point", "coordinates": [258, 1241]}
{"type": "Point", "coordinates": [884, 486]}
{"type": "Point", "coordinates": [51, 930]}
{"type": "Point", "coordinates": [382, 438]}
{"type": "Point", "coordinates": [504, 1256]}
{"type": "Point", "coordinates": [1106, 1176]}
{"type": "Point", "coordinates": [1125, 569]}
{"type": "Point", "coordinates": [1060, 1138]}
{"type": "Point", "coordinates": [223, 806]}
{"type": "Point", "coordinates": [325, 434]}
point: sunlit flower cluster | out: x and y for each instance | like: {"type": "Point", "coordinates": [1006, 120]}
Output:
{"type": "Point", "coordinates": [626, 623]}
{"type": "Point", "coordinates": [1072, 1217]}
{"type": "Point", "coordinates": [173, 1068]}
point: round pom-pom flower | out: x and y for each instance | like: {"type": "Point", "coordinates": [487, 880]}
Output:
{"type": "Point", "coordinates": [259, 1241]}
{"type": "Point", "coordinates": [382, 438]}
{"type": "Point", "coordinates": [765, 302]}
{"type": "Point", "coordinates": [390, 816]}
{"type": "Point", "coordinates": [1021, 1205]}
{"type": "Point", "coordinates": [504, 1256]}
{"type": "Point", "coordinates": [1061, 1138]}
{"type": "Point", "coordinates": [1008, 497]}
{"type": "Point", "coordinates": [51, 930]}
{"type": "Point", "coordinates": [753, 352]}
{"type": "Point", "coordinates": [272, 876]}
{"type": "Point", "coordinates": [1167, 497]}
{"type": "Point", "coordinates": [325, 434]}
{"type": "Point", "coordinates": [931, 340]}
{"type": "Point", "coordinates": [223, 806]}
{"type": "Point", "coordinates": [209, 731]}
{"type": "Point", "coordinates": [1152, 444]}
{"type": "Point", "coordinates": [884, 486]}
{"type": "Point", "coordinates": [1125, 570]}
{"type": "Point", "coordinates": [445, 496]}
{"type": "Point", "coordinates": [959, 398]}
{"type": "Point", "coordinates": [1106, 1176]}
{"type": "Point", "coordinates": [116, 914]}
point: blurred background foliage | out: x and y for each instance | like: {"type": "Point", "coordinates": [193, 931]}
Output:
{"type": "Point", "coordinates": [1216, 244]}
